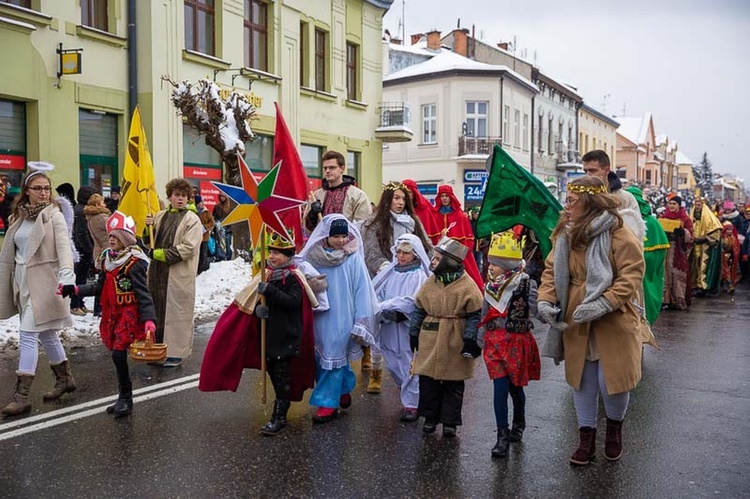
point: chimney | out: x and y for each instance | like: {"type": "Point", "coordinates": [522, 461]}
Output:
{"type": "Point", "coordinates": [416, 37]}
{"type": "Point", "coordinates": [396, 41]}
{"type": "Point", "coordinates": [460, 42]}
{"type": "Point", "coordinates": [503, 45]}
{"type": "Point", "coordinates": [433, 40]}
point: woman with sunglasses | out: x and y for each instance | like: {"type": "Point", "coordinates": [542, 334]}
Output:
{"type": "Point", "coordinates": [36, 261]}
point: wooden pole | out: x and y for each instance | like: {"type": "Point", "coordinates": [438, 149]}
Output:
{"type": "Point", "coordinates": [263, 321]}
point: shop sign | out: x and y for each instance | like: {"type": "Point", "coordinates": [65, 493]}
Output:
{"type": "Point", "coordinates": [12, 162]}
{"type": "Point", "coordinates": [201, 173]}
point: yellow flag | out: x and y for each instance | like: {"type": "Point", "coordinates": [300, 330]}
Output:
{"type": "Point", "coordinates": [139, 196]}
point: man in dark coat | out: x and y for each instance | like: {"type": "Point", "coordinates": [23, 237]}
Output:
{"type": "Point", "coordinates": [84, 244]}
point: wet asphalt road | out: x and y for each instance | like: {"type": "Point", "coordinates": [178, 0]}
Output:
{"type": "Point", "coordinates": [687, 433]}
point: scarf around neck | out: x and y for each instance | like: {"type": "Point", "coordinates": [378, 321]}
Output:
{"type": "Point", "coordinates": [402, 223]}
{"type": "Point", "coordinates": [29, 212]}
{"type": "Point", "coordinates": [114, 259]}
{"type": "Point", "coordinates": [281, 272]}
{"type": "Point", "coordinates": [599, 273]}
{"type": "Point", "coordinates": [321, 256]}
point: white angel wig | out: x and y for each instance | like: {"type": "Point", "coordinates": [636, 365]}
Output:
{"type": "Point", "coordinates": [404, 241]}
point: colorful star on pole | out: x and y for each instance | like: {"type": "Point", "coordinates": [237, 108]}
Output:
{"type": "Point", "coordinates": [257, 202]}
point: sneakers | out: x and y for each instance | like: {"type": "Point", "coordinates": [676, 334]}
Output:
{"type": "Point", "coordinates": [408, 415]}
{"type": "Point", "coordinates": [172, 362]}
{"type": "Point", "coordinates": [324, 415]}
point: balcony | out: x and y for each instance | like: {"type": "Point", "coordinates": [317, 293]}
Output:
{"type": "Point", "coordinates": [477, 145]}
{"type": "Point", "coordinates": [567, 159]}
{"type": "Point", "coordinates": [395, 119]}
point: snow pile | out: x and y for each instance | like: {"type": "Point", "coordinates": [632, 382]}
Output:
{"type": "Point", "coordinates": [214, 291]}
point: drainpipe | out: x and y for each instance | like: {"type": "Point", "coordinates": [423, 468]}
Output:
{"type": "Point", "coordinates": [132, 59]}
{"type": "Point", "coordinates": [502, 111]}
{"type": "Point", "coordinates": [533, 116]}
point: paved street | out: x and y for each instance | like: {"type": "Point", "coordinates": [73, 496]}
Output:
{"type": "Point", "coordinates": [686, 434]}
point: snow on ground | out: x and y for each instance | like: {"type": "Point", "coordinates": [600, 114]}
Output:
{"type": "Point", "coordinates": [214, 291]}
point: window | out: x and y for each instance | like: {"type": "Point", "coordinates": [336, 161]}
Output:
{"type": "Point", "coordinates": [476, 119]}
{"type": "Point", "coordinates": [94, 14]}
{"type": "Point", "coordinates": [97, 146]}
{"type": "Point", "coordinates": [550, 137]}
{"type": "Point", "coordinates": [320, 60]}
{"type": "Point", "coordinates": [256, 35]}
{"type": "Point", "coordinates": [259, 153]}
{"type": "Point", "coordinates": [12, 143]}
{"type": "Point", "coordinates": [199, 26]}
{"type": "Point", "coordinates": [304, 73]}
{"type": "Point", "coordinates": [525, 130]}
{"type": "Point", "coordinates": [506, 129]}
{"type": "Point", "coordinates": [517, 128]}
{"type": "Point", "coordinates": [20, 3]}
{"type": "Point", "coordinates": [310, 156]}
{"type": "Point", "coordinates": [429, 124]}
{"type": "Point", "coordinates": [353, 164]}
{"type": "Point", "coordinates": [351, 71]}
{"type": "Point", "coordinates": [540, 134]}
{"type": "Point", "coordinates": [648, 176]}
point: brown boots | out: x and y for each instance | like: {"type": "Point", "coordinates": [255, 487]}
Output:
{"type": "Point", "coordinates": [376, 381]}
{"type": "Point", "coordinates": [612, 443]}
{"type": "Point", "coordinates": [366, 359]}
{"type": "Point", "coordinates": [586, 448]}
{"type": "Point", "coordinates": [20, 403]}
{"type": "Point", "coordinates": [64, 382]}
{"type": "Point", "coordinates": [613, 440]}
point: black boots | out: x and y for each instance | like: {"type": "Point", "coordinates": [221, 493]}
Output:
{"type": "Point", "coordinates": [585, 452]}
{"type": "Point", "coordinates": [278, 418]}
{"type": "Point", "coordinates": [516, 433]}
{"type": "Point", "coordinates": [124, 404]}
{"type": "Point", "coordinates": [503, 442]}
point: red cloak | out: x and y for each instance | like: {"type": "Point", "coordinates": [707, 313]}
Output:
{"type": "Point", "coordinates": [235, 345]}
{"type": "Point", "coordinates": [424, 211]}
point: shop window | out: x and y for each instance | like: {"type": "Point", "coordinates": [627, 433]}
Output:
{"type": "Point", "coordinates": [259, 153]}
{"type": "Point", "coordinates": [12, 151]}
{"type": "Point", "coordinates": [199, 26]}
{"type": "Point", "coordinates": [97, 144]}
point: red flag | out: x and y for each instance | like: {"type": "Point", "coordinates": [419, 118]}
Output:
{"type": "Point", "coordinates": [292, 176]}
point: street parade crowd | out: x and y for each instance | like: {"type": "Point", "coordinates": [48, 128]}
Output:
{"type": "Point", "coordinates": [402, 284]}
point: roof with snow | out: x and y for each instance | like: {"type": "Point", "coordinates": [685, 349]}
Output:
{"type": "Point", "coordinates": [682, 159]}
{"type": "Point", "coordinates": [635, 129]}
{"type": "Point", "coordinates": [600, 115]}
{"type": "Point", "coordinates": [448, 63]}
{"type": "Point", "coordinates": [382, 4]}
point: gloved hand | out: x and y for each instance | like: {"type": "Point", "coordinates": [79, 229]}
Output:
{"type": "Point", "coordinates": [262, 287]}
{"type": "Point", "coordinates": [261, 311]}
{"type": "Point", "coordinates": [700, 240]}
{"type": "Point", "coordinates": [316, 208]}
{"type": "Point", "coordinates": [401, 317]}
{"type": "Point", "coordinates": [389, 315]}
{"type": "Point", "coordinates": [588, 312]}
{"type": "Point", "coordinates": [679, 232]}
{"type": "Point", "coordinates": [67, 290]}
{"type": "Point", "coordinates": [414, 342]}
{"type": "Point", "coordinates": [547, 312]}
{"type": "Point", "coordinates": [471, 350]}
{"type": "Point", "coordinates": [149, 327]}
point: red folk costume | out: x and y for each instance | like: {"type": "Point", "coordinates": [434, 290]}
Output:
{"type": "Point", "coordinates": [677, 293]}
{"type": "Point", "coordinates": [459, 228]}
{"type": "Point", "coordinates": [425, 212]}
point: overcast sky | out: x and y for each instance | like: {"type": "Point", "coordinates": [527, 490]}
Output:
{"type": "Point", "coordinates": [685, 61]}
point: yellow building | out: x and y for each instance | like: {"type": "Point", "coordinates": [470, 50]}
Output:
{"type": "Point", "coordinates": [321, 61]}
{"type": "Point", "coordinates": [596, 130]}
{"type": "Point", "coordinates": [685, 179]}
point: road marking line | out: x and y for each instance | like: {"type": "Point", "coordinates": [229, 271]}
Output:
{"type": "Point", "coordinates": [93, 403]}
{"type": "Point", "coordinates": [92, 412]}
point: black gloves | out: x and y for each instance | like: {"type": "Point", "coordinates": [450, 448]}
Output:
{"type": "Point", "coordinates": [414, 342]}
{"type": "Point", "coordinates": [471, 349]}
{"type": "Point", "coordinates": [700, 240]}
{"type": "Point", "coordinates": [389, 315]}
{"type": "Point", "coordinates": [262, 287]}
{"type": "Point", "coordinates": [261, 311]}
{"type": "Point", "coordinates": [316, 208]}
{"type": "Point", "coordinates": [69, 290]}
{"type": "Point", "coordinates": [679, 232]}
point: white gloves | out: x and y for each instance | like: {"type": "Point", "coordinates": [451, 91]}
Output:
{"type": "Point", "coordinates": [589, 312]}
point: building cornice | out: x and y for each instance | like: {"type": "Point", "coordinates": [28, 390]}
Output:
{"type": "Point", "coordinates": [450, 73]}
{"type": "Point", "coordinates": [600, 115]}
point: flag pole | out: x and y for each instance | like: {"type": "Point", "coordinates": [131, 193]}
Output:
{"type": "Point", "coordinates": [263, 323]}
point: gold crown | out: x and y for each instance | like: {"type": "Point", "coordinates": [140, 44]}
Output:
{"type": "Point", "coordinates": [394, 186]}
{"type": "Point", "coordinates": [274, 240]}
{"type": "Point", "coordinates": [505, 245]}
{"type": "Point", "coordinates": [588, 189]}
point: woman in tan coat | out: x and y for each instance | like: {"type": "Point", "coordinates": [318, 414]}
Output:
{"type": "Point", "coordinates": [593, 276]}
{"type": "Point", "coordinates": [36, 259]}
{"type": "Point", "coordinates": [97, 213]}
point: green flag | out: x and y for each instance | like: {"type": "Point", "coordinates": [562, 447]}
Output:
{"type": "Point", "coordinates": [514, 196]}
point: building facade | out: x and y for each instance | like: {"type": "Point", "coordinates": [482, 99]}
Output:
{"type": "Point", "coordinates": [596, 130]}
{"type": "Point", "coordinates": [460, 109]}
{"type": "Point", "coordinates": [685, 179]}
{"type": "Point", "coordinates": [636, 148]}
{"type": "Point", "coordinates": [321, 61]}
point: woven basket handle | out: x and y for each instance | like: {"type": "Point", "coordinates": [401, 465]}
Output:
{"type": "Point", "coordinates": [148, 342]}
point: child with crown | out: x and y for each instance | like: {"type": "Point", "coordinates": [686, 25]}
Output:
{"type": "Point", "coordinates": [509, 349]}
{"type": "Point", "coordinates": [127, 306]}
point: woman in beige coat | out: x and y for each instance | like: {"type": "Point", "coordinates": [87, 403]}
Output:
{"type": "Point", "coordinates": [593, 275]}
{"type": "Point", "coordinates": [35, 261]}
{"type": "Point", "coordinates": [97, 213]}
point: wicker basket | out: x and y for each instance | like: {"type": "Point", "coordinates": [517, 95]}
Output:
{"type": "Point", "coordinates": [147, 350]}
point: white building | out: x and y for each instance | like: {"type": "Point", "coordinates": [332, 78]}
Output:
{"type": "Point", "coordinates": [459, 110]}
